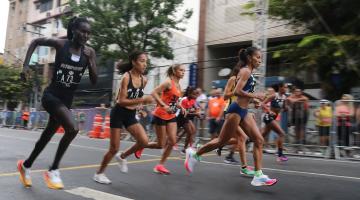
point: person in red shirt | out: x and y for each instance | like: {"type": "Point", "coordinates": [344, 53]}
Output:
{"type": "Point", "coordinates": [215, 113]}
{"type": "Point", "coordinates": [188, 102]}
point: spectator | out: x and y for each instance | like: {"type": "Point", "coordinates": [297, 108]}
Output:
{"type": "Point", "coordinates": [201, 100]}
{"type": "Point", "coordinates": [344, 112]}
{"type": "Point", "coordinates": [215, 113]}
{"type": "Point", "coordinates": [357, 127]}
{"type": "Point", "coordinates": [25, 117]}
{"type": "Point", "coordinates": [299, 112]}
{"type": "Point", "coordinates": [323, 121]}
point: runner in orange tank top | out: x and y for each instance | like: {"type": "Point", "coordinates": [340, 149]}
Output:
{"type": "Point", "coordinates": [164, 117]}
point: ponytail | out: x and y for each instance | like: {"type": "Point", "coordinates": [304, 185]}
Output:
{"type": "Point", "coordinates": [243, 56]}
{"type": "Point", "coordinates": [171, 70]}
{"type": "Point", "coordinates": [127, 66]}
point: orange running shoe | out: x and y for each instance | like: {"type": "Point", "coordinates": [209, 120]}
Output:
{"type": "Point", "coordinates": [53, 180]}
{"type": "Point", "coordinates": [24, 174]}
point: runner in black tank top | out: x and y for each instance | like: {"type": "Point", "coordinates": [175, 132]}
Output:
{"type": "Point", "coordinates": [72, 59]}
{"type": "Point", "coordinates": [130, 97]}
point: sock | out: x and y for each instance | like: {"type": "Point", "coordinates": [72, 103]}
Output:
{"type": "Point", "coordinates": [280, 152]}
{"type": "Point", "coordinates": [258, 173]}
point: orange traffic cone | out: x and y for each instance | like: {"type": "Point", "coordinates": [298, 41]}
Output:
{"type": "Point", "coordinates": [60, 130]}
{"type": "Point", "coordinates": [106, 130]}
{"type": "Point", "coordinates": [97, 126]}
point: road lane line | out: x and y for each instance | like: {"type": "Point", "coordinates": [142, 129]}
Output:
{"type": "Point", "coordinates": [94, 194]}
{"type": "Point", "coordinates": [290, 171]}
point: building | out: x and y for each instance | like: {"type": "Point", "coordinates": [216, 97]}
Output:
{"type": "Point", "coordinates": [185, 50]}
{"type": "Point", "coordinates": [30, 19]}
{"type": "Point", "coordinates": [224, 29]}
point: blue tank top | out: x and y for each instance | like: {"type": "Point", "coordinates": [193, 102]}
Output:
{"type": "Point", "coordinates": [278, 101]}
{"type": "Point", "coordinates": [132, 92]}
{"type": "Point", "coordinates": [67, 72]}
{"type": "Point", "coordinates": [250, 84]}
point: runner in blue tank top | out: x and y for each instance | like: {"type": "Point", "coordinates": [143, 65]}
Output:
{"type": "Point", "coordinates": [237, 114]}
{"type": "Point", "coordinates": [277, 105]}
{"type": "Point", "coordinates": [71, 60]}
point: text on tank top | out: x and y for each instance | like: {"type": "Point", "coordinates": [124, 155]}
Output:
{"type": "Point", "coordinates": [132, 92]}
{"type": "Point", "coordinates": [278, 101]}
{"type": "Point", "coordinates": [170, 97]}
{"type": "Point", "coordinates": [69, 68]}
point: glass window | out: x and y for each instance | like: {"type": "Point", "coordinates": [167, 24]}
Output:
{"type": "Point", "coordinates": [46, 5]}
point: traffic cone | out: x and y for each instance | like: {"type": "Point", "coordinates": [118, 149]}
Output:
{"type": "Point", "coordinates": [60, 130]}
{"type": "Point", "coordinates": [106, 130]}
{"type": "Point", "coordinates": [97, 126]}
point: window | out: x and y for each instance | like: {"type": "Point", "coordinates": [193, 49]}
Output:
{"type": "Point", "coordinates": [45, 5]}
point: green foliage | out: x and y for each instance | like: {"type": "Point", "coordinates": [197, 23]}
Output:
{"type": "Point", "coordinates": [120, 26]}
{"type": "Point", "coordinates": [331, 47]}
{"type": "Point", "coordinates": [11, 87]}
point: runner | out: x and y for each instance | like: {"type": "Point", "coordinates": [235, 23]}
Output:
{"type": "Point", "coordinates": [277, 105]}
{"type": "Point", "coordinates": [72, 59]}
{"type": "Point", "coordinates": [239, 141]}
{"type": "Point", "coordinates": [164, 117]}
{"type": "Point", "coordinates": [123, 114]}
{"type": "Point", "coordinates": [249, 59]}
{"type": "Point", "coordinates": [188, 102]}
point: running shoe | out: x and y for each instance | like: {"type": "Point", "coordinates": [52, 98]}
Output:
{"type": "Point", "coordinates": [248, 171]}
{"type": "Point", "coordinates": [282, 158]}
{"type": "Point", "coordinates": [160, 169]}
{"type": "Point", "coordinates": [230, 160]}
{"type": "Point", "coordinates": [263, 180]}
{"type": "Point", "coordinates": [190, 160]}
{"type": "Point", "coordinates": [25, 177]}
{"type": "Point", "coordinates": [53, 180]}
{"type": "Point", "coordinates": [122, 163]}
{"type": "Point", "coordinates": [101, 178]}
{"type": "Point", "coordinates": [138, 153]}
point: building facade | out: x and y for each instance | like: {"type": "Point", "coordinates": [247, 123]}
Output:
{"type": "Point", "coordinates": [225, 28]}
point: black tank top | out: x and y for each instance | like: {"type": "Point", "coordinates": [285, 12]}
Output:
{"type": "Point", "coordinates": [67, 72]}
{"type": "Point", "coordinates": [132, 92]}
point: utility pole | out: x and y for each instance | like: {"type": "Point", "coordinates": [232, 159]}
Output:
{"type": "Point", "coordinates": [260, 41]}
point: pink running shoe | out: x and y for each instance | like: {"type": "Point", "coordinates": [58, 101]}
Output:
{"type": "Point", "coordinates": [138, 153]}
{"type": "Point", "coordinates": [160, 169]}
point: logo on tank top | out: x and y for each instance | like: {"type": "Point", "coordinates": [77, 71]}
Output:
{"type": "Point", "coordinates": [66, 74]}
{"type": "Point", "coordinates": [134, 94]}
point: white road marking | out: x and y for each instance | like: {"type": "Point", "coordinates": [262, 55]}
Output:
{"type": "Point", "coordinates": [290, 171]}
{"type": "Point", "coordinates": [95, 194]}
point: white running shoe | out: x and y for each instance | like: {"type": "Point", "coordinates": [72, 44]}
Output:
{"type": "Point", "coordinates": [122, 163]}
{"type": "Point", "coordinates": [53, 180]}
{"type": "Point", "coordinates": [190, 160]}
{"type": "Point", "coordinates": [101, 178]}
{"type": "Point", "coordinates": [24, 172]}
{"type": "Point", "coordinates": [263, 180]}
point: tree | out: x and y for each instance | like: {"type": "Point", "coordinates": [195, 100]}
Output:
{"type": "Point", "coordinates": [331, 46]}
{"type": "Point", "coordinates": [120, 26]}
{"type": "Point", "coordinates": [12, 89]}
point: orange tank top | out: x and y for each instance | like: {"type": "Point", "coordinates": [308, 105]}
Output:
{"type": "Point", "coordinates": [170, 98]}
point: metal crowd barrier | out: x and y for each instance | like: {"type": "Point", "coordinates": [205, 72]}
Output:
{"type": "Point", "coordinates": [344, 138]}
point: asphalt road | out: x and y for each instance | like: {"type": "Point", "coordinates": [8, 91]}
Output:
{"type": "Point", "coordinates": [299, 178]}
